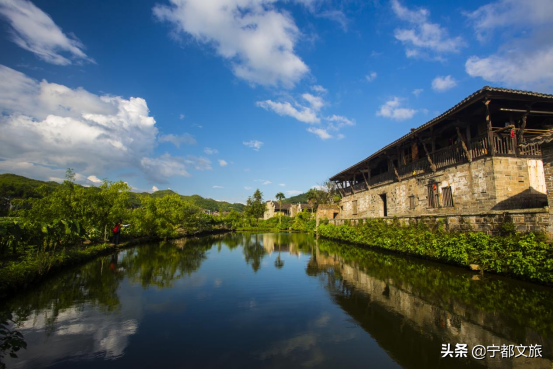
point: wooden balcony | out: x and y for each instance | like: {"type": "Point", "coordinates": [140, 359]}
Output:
{"type": "Point", "coordinates": [504, 145]}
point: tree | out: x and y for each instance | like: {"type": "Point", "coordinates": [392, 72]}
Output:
{"type": "Point", "coordinates": [312, 196]}
{"type": "Point", "coordinates": [255, 207]}
{"type": "Point", "coordinates": [279, 196]}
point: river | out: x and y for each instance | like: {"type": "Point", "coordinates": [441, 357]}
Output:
{"type": "Point", "coordinates": [276, 301]}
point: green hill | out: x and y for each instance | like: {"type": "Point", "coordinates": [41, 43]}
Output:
{"type": "Point", "coordinates": [302, 198]}
{"type": "Point", "coordinates": [15, 186]}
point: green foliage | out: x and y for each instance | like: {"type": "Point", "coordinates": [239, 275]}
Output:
{"type": "Point", "coordinates": [519, 255]}
{"type": "Point", "coordinates": [304, 222]}
{"type": "Point", "coordinates": [255, 206]}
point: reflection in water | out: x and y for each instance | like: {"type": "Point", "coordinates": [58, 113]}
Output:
{"type": "Point", "coordinates": [219, 301]}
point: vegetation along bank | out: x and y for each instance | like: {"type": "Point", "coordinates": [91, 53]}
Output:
{"type": "Point", "coordinates": [524, 256]}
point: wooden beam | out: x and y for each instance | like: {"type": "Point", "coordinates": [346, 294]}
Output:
{"type": "Point", "coordinates": [391, 163]}
{"type": "Point", "coordinates": [432, 166]}
{"type": "Point", "coordinates": [489, 125]}
{"type": "Point", "coordinates": [463, 144]}
{"type": "Point", "coordinates": [365, 179]}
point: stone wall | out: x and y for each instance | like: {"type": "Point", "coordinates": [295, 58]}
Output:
{"type": "Point", "coordinates": [529, 220]}
{"type": "Point", "coordinates": [486, 184]}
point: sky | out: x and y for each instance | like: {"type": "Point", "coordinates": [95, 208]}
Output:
{"type": "Point", "coordinates": [220, 97]}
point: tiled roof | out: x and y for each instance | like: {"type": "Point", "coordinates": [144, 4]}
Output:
{"type": "Point", "coordinates": [469, 99]}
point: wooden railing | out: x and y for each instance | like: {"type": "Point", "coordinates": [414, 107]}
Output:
{"type": "Point", "coordinates": [380, 178]}
{"type": "Point", "coordinates": [504, 145]}
{"type": "Point", "coordinates": [361, 186]}
{"type": "Point", "coordinates": [414, 168]}
{"type": "Point", "coordinates": [533, 150]}
{"type": "Point", "coordinates": [449, 156]}
{"type": "Point", "coordinates": [480, 146]}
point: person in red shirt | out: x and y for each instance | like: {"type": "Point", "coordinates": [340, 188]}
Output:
{"type": "Point", "coordinates": [116, 232]}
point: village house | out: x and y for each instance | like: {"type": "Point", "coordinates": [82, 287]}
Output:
{"type": "Point", "coordinates": [290, 210]}
{"type": "Point", "coordinates": [473, 166]}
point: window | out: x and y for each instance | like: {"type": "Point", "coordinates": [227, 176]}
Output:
{"type": "Point", "coordinates": [354, 207]}
{"type": "Point", "coordinates": [411, 202]}
{"type": "Point", "coordinates": [433, 196]}
{"type": "Point", "coordinates": [447, 197]}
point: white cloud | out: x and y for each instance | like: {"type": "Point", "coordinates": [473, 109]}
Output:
{"type": "Point", "coordinates": [247, 188]}
{"type": "Point", "coordinates": [282, 184]}
{"type": "Point", "coordinates": [417, 91]}
{"type": "Point", "coordinates": [316, 102]}
{"type": "Point", "coordinates": [198, 162]}
{"type": "Point", "coordinates": [340, 136]}
{"type": "Point", "coordinates": [181, 117]}
{"type": "Point", "coordinates": [441, 84]}
{"type": "Point", "coordinates": [35, 31]}
{"type": "Point", "coordinates": [391, 109]}
{"type": "Point", "coordinates": [223, 163]}
{"type": "Point", "coordinates": [423, 37]}
{"type": "Point", "coordinates": [178, 139]}
{"type": "Point", "coordinates": [337, 16]}
{"type": "Point", "coordinates": [319, 89]}
{"type": "Point", "coordinates": [525, 59]}
{"type": "Point", "coordinates": [49, 125]}
{"type": "Point", "coordinates": [294, 192]}
{"type": "Point", "coordinates": [254, 144]}
{"type": "Point", "coordinates": [258, 40]}
{"type": "Point", "coordinates": [155, 189]}
{"type": "Point", "coordinates": [263, 181]}
{"type": "Point", "coordinates": [304, 114]}
{"type": "Point", "coordinates": [338, 121]}
{"type": "Point", "coordinates": [218, 186]}
{"type": "Point", "coordinates": [210, 151]}
{"type": "Point", "coordinates": [322, 133]}
{"type": "Point", "coordinates": [371, 76]}
{"type": "Point", "coordinates": [94, 179]}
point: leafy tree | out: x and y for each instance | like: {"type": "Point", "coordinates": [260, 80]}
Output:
{"type": "Point", "coordinates": [255, 207]}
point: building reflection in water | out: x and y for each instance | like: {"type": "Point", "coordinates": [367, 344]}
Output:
{"type": "Point", "coordinates": [411, 307]}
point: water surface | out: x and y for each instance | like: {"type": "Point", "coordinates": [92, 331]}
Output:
{"type": "Point", "coordinates": [273, 301]}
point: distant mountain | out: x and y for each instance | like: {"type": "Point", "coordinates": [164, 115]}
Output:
{"type": "Point", "coordinates": [302, 198]}
{"type": "Point", "coordinates": [14, 186]}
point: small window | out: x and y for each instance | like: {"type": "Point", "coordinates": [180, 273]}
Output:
{"type": "Point", "coordinates": [411, 202]}
{"type": "Point", "coordinates": [354, 207]}
{"type": "Point", "coordinates": [447, 197]}
{"type": "Point", "coordinates": [433, 196]}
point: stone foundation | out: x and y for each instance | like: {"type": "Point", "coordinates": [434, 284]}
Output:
{"type": "Point", "coordinates": [529, 220]}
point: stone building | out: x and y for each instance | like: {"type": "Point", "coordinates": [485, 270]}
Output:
{"type": "Point", "coordinates": [290, 210]}
{"type": "Point", "coordinates": [477, 159]}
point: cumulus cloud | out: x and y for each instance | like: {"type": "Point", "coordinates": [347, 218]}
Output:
{"type": "Point", "coordinates": [442, 84]}
{"type": "Point", "coordinates": [254, 144]}
{"type": "Point", "coordinates": [302, 113]}
{"type": "Point", "coordinates": [94, 179]}
{"type": "Point", "coordinates": [371, 76]}
{"type": "Point", "coordinates": [319, 89]}
{"type": "Point", "coordinates": [253, 35]}
{"type": "Point", "coordinates": [392, 109]}
{"type": "Point", "coordinates": [223, 163]}
{"type": "Point", "coordinates": [178, 139]}
{"type": "Point", "coordinates": [320, 132]}
{"type": "Point", "coordinates": [316, 102]}
{"type": "Point", "coordinates": [33, 30]}
{"type": "Point", "coordinates": [155, 189]}
{"type": "Point", "coordinates": [525, 59]}
{"type": "Point", "coordinates": [423, 37]}
{"type": "Point", "coordinates": [310, 114]}
{"type": "Point", "coordinates": [48, 125]}
{"type": "Point", "coordinates": [417, 91]}
{"type": "Point", "coordinates": [210, 151]}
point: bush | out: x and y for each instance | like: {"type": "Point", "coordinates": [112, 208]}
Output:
{"type": "Point", "coordinates": [521, 255]}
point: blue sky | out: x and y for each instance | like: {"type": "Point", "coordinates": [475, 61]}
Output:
{"type": "Point", "coordinates": [221, 97]}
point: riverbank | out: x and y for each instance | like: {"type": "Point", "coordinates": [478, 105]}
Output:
{"type": "Point", "coordinates": [32, 268]}
{"type": "Point", "coordinates": [522, 256]}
